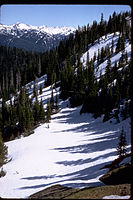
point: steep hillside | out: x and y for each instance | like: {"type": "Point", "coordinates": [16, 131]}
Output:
{"type": "Point", "coordinates": [76, 111]}
{"type": "Point", "coordinates": [70, 150]}
{"type": "Point", "coordinates": [33, 38]}
{"type": "Point", "coordinates": [106, 42]}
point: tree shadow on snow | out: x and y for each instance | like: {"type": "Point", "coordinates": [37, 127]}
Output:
{"type": "Point", "coordinates": [98, 137]}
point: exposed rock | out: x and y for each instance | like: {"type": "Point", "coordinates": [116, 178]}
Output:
{"type": "Point", "coordinates": [116, 163]}
{"type": "Point", "coordinates": [119, 175]}
{"type": "Point", "coordinates": [54, 192]}
{"type": "Point", "coordinates": [61, 192]}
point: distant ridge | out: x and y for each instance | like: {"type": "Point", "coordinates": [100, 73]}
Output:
{"type": "Point", "coordinates": [33, 38]}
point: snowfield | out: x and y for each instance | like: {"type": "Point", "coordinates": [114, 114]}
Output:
{"type": "Point", "coordinates": [116, 197]}
{"type": "Point", "coordinates": [102, 43]}
{"type": "Point", "coordinates": [70, 151]}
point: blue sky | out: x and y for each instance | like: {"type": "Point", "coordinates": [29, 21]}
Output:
{"type": "Point", "coordinates": [58, 15]}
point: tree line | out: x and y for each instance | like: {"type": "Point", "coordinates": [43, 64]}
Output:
{"type": "Point", "coordinates": [18, 67]}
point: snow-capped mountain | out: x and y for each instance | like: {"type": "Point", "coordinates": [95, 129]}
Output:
{"type": "Point", "coordinates": [32, 37]}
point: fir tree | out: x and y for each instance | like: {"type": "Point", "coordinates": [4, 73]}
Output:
{"type": "Point", "coordinates": [118, 45]}
{"type": "Point", "coordinates": [36, 110]}
{"type": "Point", "coordinates": [116, 115]}
{"type": "Point", "coordinates": [106, 116]}
{"type": "Point", "coordinates": [52, 100]}
{"type": "Point", "coordinates": [112, 47]}
{"type": "Point", "coordinates": [108, 69]}
{"type": "Point", "coordinates": [40, 92]}
{"type": "Point", "coordinates": [98, 56]}
{"type": "Point", "coordinates": [5, 114]}
{"type": "Point", "coordinates": [41, 111]}
{"type": "Point", "coordinates": [121, 149]}
{"type": "Point", "coordinates": [35, 89]}
{"type": "Point", "coordinates": [56, 103]}
{"type": "Point", "coordinates": [102, 54]}
{"type": "Point", "coordinates": [48, 111]}
{"type": "Point", "coordinates": [3, 152]}
{"type": "Point", "coordinates": [29, 117]}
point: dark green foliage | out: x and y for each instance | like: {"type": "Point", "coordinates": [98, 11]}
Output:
{"type": "Point", "coordinates": [56, 103]}
{"type": "Point", "coordinates": [19, 67]}
{"type": "Point", "coordinates": [36, 110]}
{"type": "Point", "coordinates": [41, 112]}
{"type": "Point", "coordinates": [63, 65]}
{"type": "Point", "coordinates": [40, 92]}
{"type": "Point", "coordinates": [52, 101]}
{"type": "Point", "coordinates": [106, 116]}
{"type": "Point", "coordinates": [35, 90]}
{"type": "Point", "coordinates": [121, 149]}
{"type": "Point", "coordinates": [116, 115]}
{"type": "Point", "coordinates": [2, 173]}
{"type": "Point", "coordinates": [3, 152]}
{"type": "Point", "coordinates": [48, 115]}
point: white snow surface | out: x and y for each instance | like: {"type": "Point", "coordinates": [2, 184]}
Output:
{"type": "Point", "coordinates": [102, 43]}
{"type": "Point", "coordinates": [11, 29]}
{"type": "Point", "coordinates": [117, 197]}
{"type": "Point", "coordinates": [70, 150]}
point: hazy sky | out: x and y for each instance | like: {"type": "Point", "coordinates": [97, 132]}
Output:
{"type": "Point", "coordinates": [57, 15]}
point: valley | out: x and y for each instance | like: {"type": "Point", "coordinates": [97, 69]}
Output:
{"type": "Point", "coordinates": [65, 107]}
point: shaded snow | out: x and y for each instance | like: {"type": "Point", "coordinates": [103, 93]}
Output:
{"type": "Point", "coordinates": [71, 152]}
{"type": "Point", "coordinates": [102, 43]}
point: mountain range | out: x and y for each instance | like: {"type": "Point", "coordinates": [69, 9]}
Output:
{"type": "Point", "coordinates": [33, 38]}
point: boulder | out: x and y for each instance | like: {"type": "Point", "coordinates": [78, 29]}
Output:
{"type": "Point", "coordinates": [119, 175]}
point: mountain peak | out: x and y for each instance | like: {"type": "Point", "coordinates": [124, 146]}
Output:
{"type": "Point", "coordinates": [40, 38]}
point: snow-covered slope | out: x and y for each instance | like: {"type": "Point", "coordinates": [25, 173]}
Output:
{"type": "Point", "coordinates": [102, 43]}
{"type": "Point", "coordinates": [32, 37]}
{"type": "Point", "coordinates": [71, 150]}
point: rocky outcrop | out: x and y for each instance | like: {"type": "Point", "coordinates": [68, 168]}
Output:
{"type": "Point", "coordinates": [119, 175]}
{"type": "Point", "coordinates": [54, 192]}
{"type": "Point", "coordinates": [61, 192]}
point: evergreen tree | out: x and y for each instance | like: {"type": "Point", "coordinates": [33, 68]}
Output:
{"type": "Point", "coordinates": [56, 103]}
{"type": "Point", "coordinates": [41, 111]}
{"type": "Point", "coordinates": [52, 100]}
{"type": "Point", "coordinates": [126, 58]}
{"type": "Point", "coordinates": [35, 90]}
{"type": "Point", "coordinates": [122, 43]}
{"type": "Point", "coordinates": [40, 92]}
{"type": "Point", "coordinates": [48, 111]}
{"type": "Point", "coordinates": [108, 69]}
{"type": "Point", "coordinates": [102, 54]}
{"type": "Point", "coordinates": [121, 149]}
{"type": "Point", "coordinates": [3, 152]}
{"type": "Point", "coordinates": [36, 110]}
{"type": "Point", "coordinates": [117, 93]}
{"type": "Point", "coordinates": [5, 114]}
{"type": "Point", "coordinates": [118, 45]}
{"type": "Point", "coordinates": [98, 56]}
{"type": "Point", "coordinates": [29, 118]}
{"type": "Point", "coordinates": [13, 114]}
{"type": "Point", "coordinates": [116, 115]}
{"type": "Point", "coordinates": [106, 116]}
{"type": "Point", "coordinates": [112, 47]}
